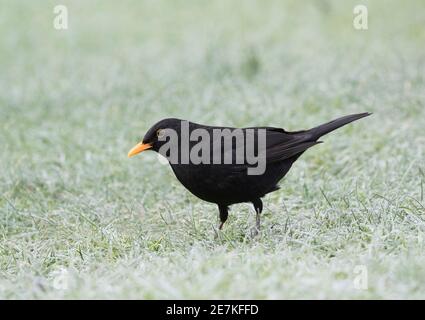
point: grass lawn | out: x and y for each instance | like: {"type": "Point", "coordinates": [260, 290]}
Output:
{"type": "Point", "coordinates": [78, 219]}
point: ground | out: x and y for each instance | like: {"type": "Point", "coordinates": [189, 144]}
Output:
{"type": "Point", "coordinates": [78, 219]}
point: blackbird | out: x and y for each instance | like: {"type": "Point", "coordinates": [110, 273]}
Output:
{"type": "Point", "coordinates": [231, 182]}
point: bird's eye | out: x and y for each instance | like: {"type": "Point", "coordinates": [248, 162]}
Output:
{"type": "Point", "coordinates": [160, 133]}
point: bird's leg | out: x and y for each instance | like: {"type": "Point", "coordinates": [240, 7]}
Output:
{"type": "Point", "coordinates": [257, 220]}
{"type": "Point", "coordinates": [224, 212]}
{"type": "Point", "coordinates": [258, 206]}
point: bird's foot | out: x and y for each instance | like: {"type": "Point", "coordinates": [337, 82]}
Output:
{"type": "Point", "coordinates": [254, 232]}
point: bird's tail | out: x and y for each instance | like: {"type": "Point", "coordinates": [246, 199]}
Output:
{"type": "Point", "coordinates": [325, 128]}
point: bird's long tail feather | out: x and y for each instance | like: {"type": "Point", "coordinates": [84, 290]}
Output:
{"type": "Point", "coordinates": [325, 128]}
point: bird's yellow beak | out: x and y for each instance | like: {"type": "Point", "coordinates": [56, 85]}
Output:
{"type": "Point", "coordinates": [139, 148]}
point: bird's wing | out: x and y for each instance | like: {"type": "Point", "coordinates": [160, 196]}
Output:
{"type": "Point", "coordinates": [281, 145]}
{"type": "Point", "coordinates": [281, 152]}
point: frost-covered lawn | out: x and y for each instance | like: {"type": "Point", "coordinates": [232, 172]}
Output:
{"type": "Point", "coordinates": [78, 219]}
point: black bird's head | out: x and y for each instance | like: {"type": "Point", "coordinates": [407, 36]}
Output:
{"type": "Point", "coordinates": [151, 140]}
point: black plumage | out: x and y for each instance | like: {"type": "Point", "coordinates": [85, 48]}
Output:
{"type": "Point", "coordinates": [227, 184]}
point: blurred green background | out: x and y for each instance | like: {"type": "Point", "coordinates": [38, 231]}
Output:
{"type": "Point", "coordinates": [80, 220]}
